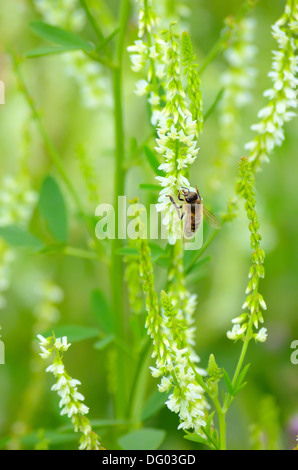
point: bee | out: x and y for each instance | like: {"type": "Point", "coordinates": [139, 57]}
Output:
{"type": "Point", "coordinates": [192, 211]}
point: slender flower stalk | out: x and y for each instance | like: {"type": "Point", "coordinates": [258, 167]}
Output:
{"type": "Point", "coordinates": [183, 301]}
{"type": "Point", "coordinates": [237, 81]}
{"type": "Point", "coordinates": [175, 363]}
{"type": "Point", "coordinates": [283, 95]}
{"type": "Point", "coordinates": [175, 112]}
{"type": "Point", "coordinates": [132, 277]}
{"type": "Point", "coordinates": [193, 81]}
{"type": "Point", "coordinates": [145, 55]}
{"type": "Point", "coordinates": [176, 139]}
{"type": "Point", "coordinates": [166, 61]}
{"type": "Point", "coordinates": [71, 401]}
{"type": "Point", "coordinates": [254, 303]}
{"type": "Point", "coordinates": [282, 99]}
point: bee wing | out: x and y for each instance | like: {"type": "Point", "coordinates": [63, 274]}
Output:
{"type": "Point", "coordinates": [212, 220]}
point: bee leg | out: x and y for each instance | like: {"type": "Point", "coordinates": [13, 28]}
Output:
{"type": "Point", "coordinates": [179, 197]}
{"type": "Point", "coordinates": [199, 196]}
{"type": "Point", "coordinates": [177, 207]}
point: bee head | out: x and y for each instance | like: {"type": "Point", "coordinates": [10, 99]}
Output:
{"type": "Point", "coordinates": [190, 196]}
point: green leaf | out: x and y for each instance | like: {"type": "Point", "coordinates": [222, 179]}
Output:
{"type": "Point", "coordinates": [45, 51]}
{"type": "Point", "coordinates": [154, 404]}
{"type": "Point", "coordinates": [104, 342]}
{"type": "Point", "coordinates": [228, 382]}
{"type": "Point", "coordinates": [19, 237]}
{"type": "Point", "coordinates": [242, 376]}
{"type": "Point", "coordinates": [237, 390]}
{"type": "Point", "coordinates": [74, 333]}
{"type": "Point", "coordinates": [53, 437]}
{"type": "Point", "coordinates": [102, 311]}
{"type": "Point", "coordinates": [152, 160]}
{"type": "Point", "coordinates": [53, 209]}
{"type": "Point", "coordinates": [196, 438]}
{"type": "Point", "coordinates": [61, 37]}
{"type": "Point", "coordinates": [143, 439]}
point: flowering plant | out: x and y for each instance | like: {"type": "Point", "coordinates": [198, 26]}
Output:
{"type": "Point", "coordinates": [158, 313]}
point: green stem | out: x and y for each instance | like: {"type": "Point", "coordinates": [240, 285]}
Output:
{"type": "Point", "coordinates": [119, 187]}
{"type": "Point", "coordinates": [92, 21]}
{"type": "Point", "coordinates": [243, 353]}
{"type": "Point", "coordinates": [222, 424]}
{"type": "Point", "coordinates": [221, 412]}
{"type": "Point", "coordinates": [149, 40]}
{"type": "Point", "coordinates": [138, 391]}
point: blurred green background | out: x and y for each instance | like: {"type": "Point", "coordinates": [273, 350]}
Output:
{"type": "Point", "coordinates": [269, 402]}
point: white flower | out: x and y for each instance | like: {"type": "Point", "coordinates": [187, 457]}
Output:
{"type": "Point", "coordinates": [142, 86]}
{"type": "Point", "coordinates": [61, 344]}
{"type": "Point", "coordinates": [237, 332]}
{"type": "Point", "coordinates": [66, 388]}
{"type": "Point", "coordinates": [282, 96]}
{"type": "Point", "coordinates": [262, 335]}
{"type": "Point", "coordinates": [45, 354]}
{"type": "Point", "coordinates": [56, 369]}
{"type": "Point", "coordinates": [43, 341]}
{"type": "Point", "coordinates": [240, 319]}
{"type": "Point", "coordinates": [165, 385]}
{"type": "Point", "coordinates": [153, 53]}
{"type": "Point", "coordinates": [154, 99]}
